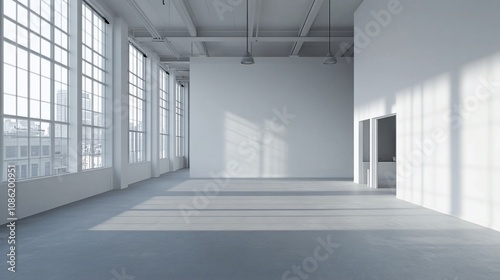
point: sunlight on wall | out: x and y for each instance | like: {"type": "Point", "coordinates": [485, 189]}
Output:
{"type": "Point", "coordinates": [479, 135]}
{"type": "Point", "coordinates": [377, 107]}
{"type": "Point", "coordinates": [448, 131]}
{"type": "Point", "coordinates": [435, 141]}
{"type": "Point", "coordinates": [240, 143]}
{"type": "Point", "coordinates": [427, 142]}
{"type": "Point", "coordinates": [274, 152]}
{"type": "Point", "coordinates": [259, 149]}
{"type": "Point", "coordinates": [423, 141]}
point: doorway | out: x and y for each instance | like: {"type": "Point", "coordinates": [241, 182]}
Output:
{"type": "Point", "coordinates": [364, 152]}
{"type": "Point", "coordinates": [385, 152]}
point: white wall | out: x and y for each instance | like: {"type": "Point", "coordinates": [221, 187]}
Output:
{"type": "Point", "coordinates": [38, 195]}
{"type": "Point", "coordinates": [436, 64]}
{"type": "Point", "coordinates": [237, 116]}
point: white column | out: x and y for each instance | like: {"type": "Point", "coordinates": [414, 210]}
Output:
{"type": "Point", "coordinates": [373, 180]}
{"type": "Point", "coordinates": [120, 104]}
{"type": "Point", "coordinates": [109, 117]}
{"type": "Point", "coordinates": [1, 99]}
{"type": "Point", "coordinates": [186, 124]}
{"type": "Point", "coordinates": [152, 80]}
{"type": "Point", "coordinates": [358, 152]}
{"type": "Point", "coordinates": [171, 85]}
{"type": "Point", "coordinates": [75, 89]}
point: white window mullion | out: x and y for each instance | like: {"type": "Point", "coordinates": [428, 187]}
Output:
{"type": "Point", "coordinates": [164, 113]}
{"type": "Point", "coordinates": [94, 88]}
{"type": "Point", "coordinates": [30, 120]}
{"type": "Point", "coordinates": [34, 113]}
{"type": "Point", "coordinates": [2, 167]}
{"type": "Point", "coordinates": [52, 96]}
{"type": "Point", "coordinates": [137, 150]}
{"type": "Point", "coordinates": [75, 78]}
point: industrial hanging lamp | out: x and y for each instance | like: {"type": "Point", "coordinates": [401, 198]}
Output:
{"type": "Point", "coordinates": [248, 57]}
{"type": "Point", "coordinates": [330, 58]}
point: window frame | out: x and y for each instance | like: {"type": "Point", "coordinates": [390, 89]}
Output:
{"type": "Point", "coordinates": [137, 151]}
{"type": "Point", "coordinates": [94, 74]}
{"type": "Point", "coordinates": [164, 113]}
{"type": "Point", "coordinates": [179, 120]}
{"type": "Point", "coordinates": [42, 57]}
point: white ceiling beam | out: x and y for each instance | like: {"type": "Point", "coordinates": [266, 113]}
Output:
{"type": "Point", "coordinates": [242, 39]}
{"type": "Point", "coordinates": [241, 32]}
{"type": "Point", "coordinates": [149, 25]}
{"type": "Point", "coordinates": [177, 61]}
{"type": "Point", "coordinates": [306, 27]}
{"type": "Point", "coordinates": [187, 18]}
{"type": "Point", "coordinates": [144, 18]}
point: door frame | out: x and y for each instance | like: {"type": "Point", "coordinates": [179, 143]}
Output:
{"type": "Point", "coordinates": [363, 178]}
{"type": "Point", "coordinates": [373, 180]}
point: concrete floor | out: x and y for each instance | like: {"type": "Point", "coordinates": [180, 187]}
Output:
{"type": "Point", "coordinates": [250, 229]}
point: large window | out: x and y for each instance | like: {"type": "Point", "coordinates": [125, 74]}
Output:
{"type": "Point", "coordinates": [36, 85]}
{"type": "Point", "coordinates": [93, 89]}
{"type": "Point", "coordinates": [179, 120]}
{"type": "Point", "coordinates": [137, 106]}
{"type": "Point", "coordinates": [164, 104]}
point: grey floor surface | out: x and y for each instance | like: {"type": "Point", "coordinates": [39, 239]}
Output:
{"type": "Point", "coordinates": [165, 228]}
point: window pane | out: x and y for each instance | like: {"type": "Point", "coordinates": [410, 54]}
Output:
{"type": "Point", "coordinates": [11, 152]}
{"type": "Point", "coordinates": [30, 89]}
{"type": "Point", "coordinates": [10, 76]}
{"type": "Point", "coordinates": [22, 15]}
{"type": "Point", "coordinates": [34, 170]}
{"type": "Point", "coordinates": [9, 54]}
{"type": "Point", "coordinates": [10, 9]}
{"type": "Point", "coordinates": [137, 105]}
{"type": "Point", "coordinates": [93, 93]}
{"type": "Point", "coordinates": [35, 151]}
{"type": "Point", "coordinates": [9, 30]}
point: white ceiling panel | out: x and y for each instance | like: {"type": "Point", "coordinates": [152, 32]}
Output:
{"type": "Point", "coordinates": [272, 49]}
{"type": "Point", "coordinates": [220, 49]}
{"type": "Point", "coordinates": [226, 19]}
{"type": "Point", "coordinates": [219, 14]}
{"type": "Point", "coordinates": [315, 49]}
{"type": "Point", "coordinates": [284, 14]}
{"type": "Point", "coordinates": [162, 16]}
{"type": "Point", "coordinates": [342, 15]}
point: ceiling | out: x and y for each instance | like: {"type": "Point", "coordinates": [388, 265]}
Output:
{"type": "Point", "coordinates": [179, 29]}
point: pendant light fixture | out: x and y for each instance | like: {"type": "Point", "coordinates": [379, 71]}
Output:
{"type": "Point", "coordinates": [330, 58]}
{"type": "Point", "coordinates": [248, 58]}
